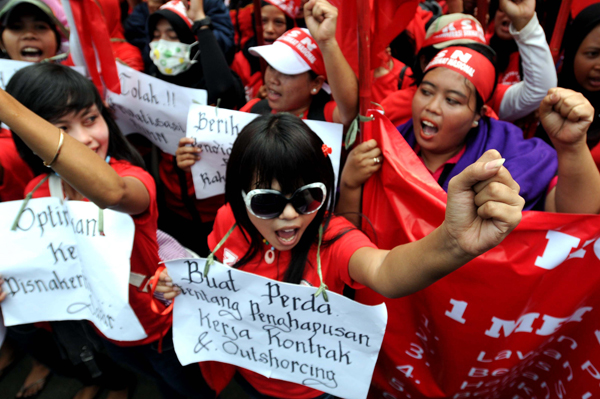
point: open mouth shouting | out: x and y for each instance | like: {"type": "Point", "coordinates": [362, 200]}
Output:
{"type": "Point", "coordinates": [287, 236]}
{"type": "Point", "coordinates": [31, 54]}
{"type": "Point", "coordinates": [428, 129]}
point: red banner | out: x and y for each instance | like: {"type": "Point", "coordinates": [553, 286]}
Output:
{"type": "Point", "coordinates": [389, 19]}
{"type": "Point", "coordinates": [520, 321]}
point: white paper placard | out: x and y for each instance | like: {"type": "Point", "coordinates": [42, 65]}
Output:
{"type": "Point", "coordinates": [57, 266]}
{"type": "Point", "coordinates": [152, 107]}
{"type": "Point", "coordinates": [215, 130]}
{"type": "Point", "coordinates": [9, 67]}
{"type": "Point", "coordinates": [276, 329]}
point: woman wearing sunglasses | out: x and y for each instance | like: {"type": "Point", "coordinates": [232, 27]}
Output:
{"type": "Point", "coordinates": [279, 200]}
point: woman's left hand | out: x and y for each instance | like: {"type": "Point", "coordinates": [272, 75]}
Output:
{"type": "Point", "coordinates": [196, 10]}
{"type": "Point", "coordinates": [483, 206]}
{"type": "Point", "coordinates": [321, 20]}
{"type": "Point", "coordinates": [166, 286]}
{"type": "Point", "coordinates": [566, 116]}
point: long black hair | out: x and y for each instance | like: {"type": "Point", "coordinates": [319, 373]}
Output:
{"type": "Point", "coordinates": [53, 91]}
{"type": "Point", "coordinates": [283, 148]}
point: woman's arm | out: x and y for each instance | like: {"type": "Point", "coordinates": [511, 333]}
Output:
{"type": "Point", "coordinates": [321, 19]}
{"type": "Point", "coordinates": [221, 83]}
{"type": "Point", "coordinates": [76, 164]}
{"type": "Point", "coordinates": [566, 115]}
{"type": "Point", "coordinates": [539, 74]}
{"type": "Point", "coordinates": [483, 208]}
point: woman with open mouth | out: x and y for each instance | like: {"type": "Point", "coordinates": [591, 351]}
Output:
{"type": "Point", "coordinates": [449, 130]}
{"type": "Point", "coordinates": [306, 68]}
{"type": "Point", "coordinates": [31, 31]}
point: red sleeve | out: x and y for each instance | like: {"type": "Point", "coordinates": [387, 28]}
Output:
{"type": "Point", "coordinates": [16, 173]}
{"type": "Point", "coordinates": [328, 111]}
{"type": "Point", "coordinates": [351, 240]}
{"type": "Point", "coordinates": [249, 105]}
{"type": "Point", "coordinates": [123, 169]}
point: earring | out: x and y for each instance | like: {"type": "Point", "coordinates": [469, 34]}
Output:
{"type": "Point", "coordinates": [314, 90]}
{"type": "Point", "coordinates": [475, 123]}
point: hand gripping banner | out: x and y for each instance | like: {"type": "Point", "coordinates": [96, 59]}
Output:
{"type": "Point", "coordinates": [521, 321]}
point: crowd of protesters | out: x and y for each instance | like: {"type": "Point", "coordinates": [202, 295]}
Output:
{"type": "Point", "coordinates": [477, 104]}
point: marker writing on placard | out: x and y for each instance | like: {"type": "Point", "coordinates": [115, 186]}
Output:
{"type": "Point", "coordinates": [136, 92]}
{"type": "Point", "coordinates": [217, 125]}
{"type": "Point", "coordinates": [196, 276]}
{"type": "Point", "coordinates": [230, 307]}
{"type": "Point", "coordinates": [57, 283]}
{"type": "Point", "coordinates": [228, 331]}
{"type": "Point", "coordinates": [66, 253]}
{"type": "Point", "coordinates": [217, 178]}
{"type": "Point", "coordinates": [147, 119]}
{"type": "Point", "coordinates": [315, 376]}
{"type": "Point", "coordinates": [48, 218]}
{"type": "Point", "coordinates": [96, 309]}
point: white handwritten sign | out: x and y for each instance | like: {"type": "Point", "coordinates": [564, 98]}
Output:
{"type": "Point", "coordinates": [153, 107]}
{"type": "Point", "coordinates": [276, 329]}
{"type": "Point", "coordinates": [216, 130]}
{"type": "Point", "coordinates": [57, 266]}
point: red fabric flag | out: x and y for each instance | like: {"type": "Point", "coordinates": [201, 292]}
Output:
{"type": "Point", "coordinates": [388, 19]}
{"type": "Point", "coordinates": [520, 321]}
{"type": "Point", "coordinates": [95, 44]}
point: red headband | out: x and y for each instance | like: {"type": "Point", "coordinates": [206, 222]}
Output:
{"type": "Point", "coordinates": [305, 46]}
{"type": "Point", "coordinates": [460, 29]}
{"type": "Point", "coordinates": [469, 63]}
{"type": "Point", "coordinates": [178, 8]}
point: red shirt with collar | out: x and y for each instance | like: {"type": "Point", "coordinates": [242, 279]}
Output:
{"type": "Point", "coordinates": [334, 260]}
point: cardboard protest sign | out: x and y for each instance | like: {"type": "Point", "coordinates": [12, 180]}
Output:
{"type": "Point", "coordinates": [57, 266]}
{"type": "Point", "coordinates": [9, 67]}
{"type": "Point", "coordinates": [215, 130]}
{"type": "Point", "coordinates": [276, 329]}
{"type": "Point", "coordinates": [520, 321]}
{"type": "Point", "coordinates": [152, 107]}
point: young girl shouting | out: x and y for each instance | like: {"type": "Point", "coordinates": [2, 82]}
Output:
{"type": "Point", "coordinates": [280, 197]}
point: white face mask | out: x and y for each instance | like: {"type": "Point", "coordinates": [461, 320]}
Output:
{"type": "Point", "coordinates": [172, 58]}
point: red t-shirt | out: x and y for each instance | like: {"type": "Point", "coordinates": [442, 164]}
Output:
{"type": "Point", "coordinates": [251, 81]}
{"type": "Point", "coordinates": [16, 172]}
{"type": "Point", "coordinates": [328, 110]}
{"type": "Point", "coordinates": [207, 208]}
{"type": "Point", "coordinates": [334, 262]}
{"type": "Point", "coordinates": [144, 256]}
